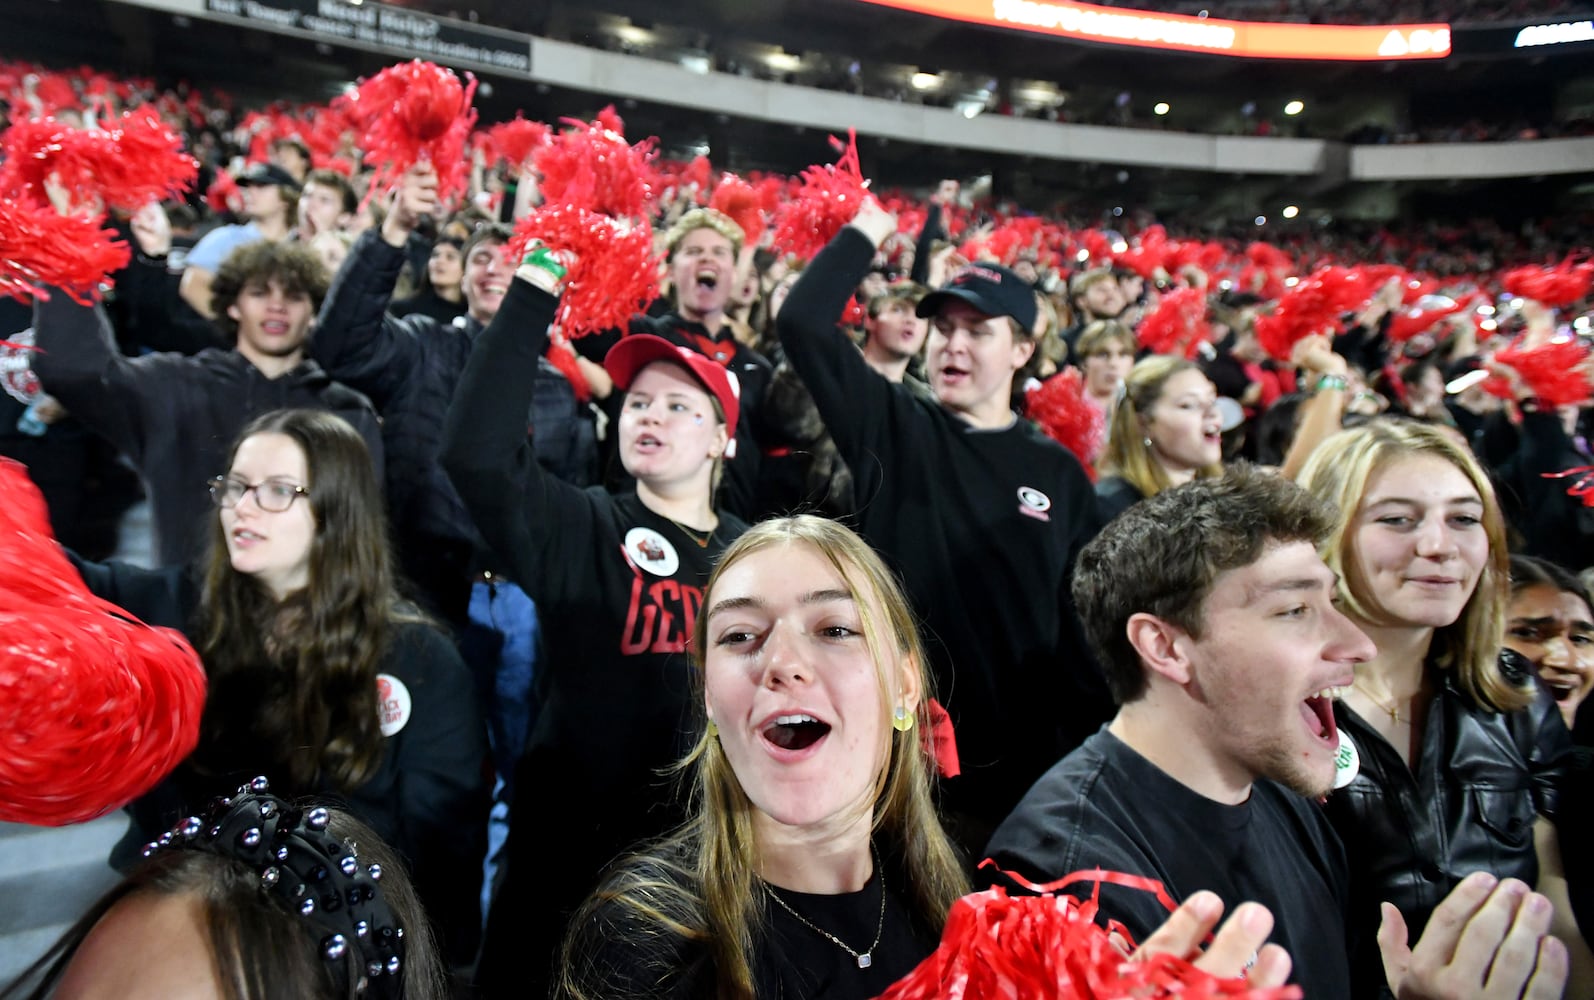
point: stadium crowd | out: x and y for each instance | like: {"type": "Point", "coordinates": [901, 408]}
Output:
{"type": "Point", "coordinates": [679, 582]}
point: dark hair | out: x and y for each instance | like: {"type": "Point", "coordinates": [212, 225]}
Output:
{"type": "Point", "coordinates": [293, 683]}
{"type": "Point", "coordinates": [262, 949]}
{"type": "Point", "coordinates": [294, 143]}
{"type": "Point", "coordinates": [293, 265]}
{"type": "Point", "coordinates": [1530, 571]}
{"type": "Point", "coordinates": [333, 179]}
{"type": "Point", "coordinates": [1163, 555]}
{"type": "Point", "coordinates": [495, 232]}
{"type": "Point", "coordinates": [1276, 428]}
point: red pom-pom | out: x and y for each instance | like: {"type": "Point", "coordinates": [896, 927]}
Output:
{"type": "Point", "coordinates": [615, 275]}
{"type": "Point", "coordinates": [1051, 948]}
{"type": "Point", "coordinates": [516, 142]}
{"type": "Point", "coordinates": [698, 172]}
{"type": "Point", "coordinates": [1555, 287]}
{"type": "Point", "coordinates": [590, 166]}
{"type": "Point", "coordinates": [1059, 406]}
{"type": "Point", "coordinates": [1178, 325]}
{"type": "Point", "coordinates": [224, 195]}
{"type": "Point", "coordinates": [744, 203]}
{"type": "Point", "coordinates": [1553, 371]}
{"type": "Point", "coordinates": [1269, 258]}
{"type": "Point", "coordinates": [1148, 257]}
{"type": "Point", "coordinates": [827, 200]}
{"type": "Point", "coordinates": [98, 706]}
{"type": "Point", "coordinates": [139, 161]}
{"type": "Point", "coordinates": [1208, 257]}
{"type": "Point", "coordinates": [40, 248]}
{"type": "Point", "coordinates": [56, 93]}
{"type": "Point", "coordinates": [415, 112]}
{"type": "Point", "coordinates": [1420, 316]}
{"type": "Point", "coordinates": [1314, 306]}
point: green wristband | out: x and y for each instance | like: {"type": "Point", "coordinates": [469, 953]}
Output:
{"type": "Point", "coordinates": [545, 260]}
{"type": "Point", "coordinates": [1332, 383]}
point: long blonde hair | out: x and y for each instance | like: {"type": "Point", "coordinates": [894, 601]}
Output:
{"type": "Point", "coordinates": [1128, 453]}
{"type": "Point", "coordinates": [700, 885]}
{"type": "Point", "coordinates": [1339, 471]}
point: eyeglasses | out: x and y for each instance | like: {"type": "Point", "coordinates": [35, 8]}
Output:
{"type": "Point", "coordinates": [273, 495]}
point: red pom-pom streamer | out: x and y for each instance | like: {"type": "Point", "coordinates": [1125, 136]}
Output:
{"type": "Point", "coordinates": [1049, 947]}
{"type": "Point", "coordinates": [516, 142]}
{"type": "Point", "coordinates": [743, 203]}
{"type": "Point", "coordinates": [224, 195]}
{"type": "Point", "coordinates": [415, 112]}
{"type": "Point", "coordinates": [40, 248]}
{"type": "Point", "coordinates": [1149, 256]}
{"type": "Point", "coordinates": [1582, 487]}
{"type": "Point", "coordinates": [1553, 371]}
{"type": "Point", "coordinates": [827, 200]}
{"type": "Point", "coordinates": [1059, 406]}
{"type": "Point", "coordinates": [1178, 325]}
{"type": "Point", "coordinates": [615, 275]}
{"type": "Point", "coordinates": [562, 357]}
{"type": "Point", "coordinates": [1422, 315]}
{"type": "Point", "coordinates": [590, 166]}
{"type": "Point", "coordinates": [1314, 306]}
{"type": "Point", "coordinates": [139, 161]}
{"type": "Point", "coordinates": [1555, 287]}
{"type": "Point", "coordinates": [98, 706]}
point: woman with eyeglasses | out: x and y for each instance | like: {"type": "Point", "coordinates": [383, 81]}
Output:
{"type": "Point", "coordinates": [321, 677]}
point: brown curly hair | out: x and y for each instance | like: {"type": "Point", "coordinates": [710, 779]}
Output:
{"type": "Point", "coordinates": [292, 265]}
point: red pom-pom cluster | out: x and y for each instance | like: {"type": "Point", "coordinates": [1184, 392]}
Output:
{"type": "Point", "coordinates": [590, 166]}
{"type": "Point", "coordinates": [743, 203]}
{"type": "Point", "coordinates": [40, 248]}
{"type": "Point", "coordinates": [415, 112]}
{"type": "Point", "coordinates": [615, 274]}
{"type": "Point", "coordinates": [827, 200]}
{"type": "Point", "coordinates": [1178, 325]}
{"type": "Point", "coordinates": [99, 707]}
{"type": "Point", "coordinates": [1050, 948]}
{"type": "Point", "coordinates": [516, 142]}
{"type": "Point", "coordinates": [1314, 306]}
{"type": "Point", "coordinates": [139, 161]}
{"type": "Point", "coordinates": [1420, 317]}
{"type": "Point", "coordinates": [1555, 287]}
{"type": "Point", "coordinates": [1059, 406]}
{"type": "Point", "coordinates": [1552, 371]}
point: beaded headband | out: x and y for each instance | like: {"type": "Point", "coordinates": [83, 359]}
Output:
{"type": "Point", "coordinates": [312, 873]}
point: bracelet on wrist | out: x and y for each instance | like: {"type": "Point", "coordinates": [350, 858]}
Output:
{"type": "Point", "coordinates": [1332, 383]}
{"type": "Point", "coordinates": [542, 259]}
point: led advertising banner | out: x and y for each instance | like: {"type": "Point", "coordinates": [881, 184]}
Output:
{"type": "Point", "coordinates": [1251, 39]}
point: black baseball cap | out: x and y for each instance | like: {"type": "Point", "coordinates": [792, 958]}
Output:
{"type": "Point", "coordinates": [990, 288]}
{"type": "Point", "coordinates": [266, 173]}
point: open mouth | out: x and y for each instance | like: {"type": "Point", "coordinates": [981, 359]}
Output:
{"type": "Point", "coordinates": [244, 536]}
{"type": "Point", "coordinates": [1318, 714]}
{"type": "Point", "coordinates": [707, 279]}
{"type": "Point", "coordinates": [1562, 688]}
{"type": "Point", "coordinates": [953, 374]}
{"type": "Point", "coordinates": [795, 732]}
{"type": "Point", "coordinates": [647, 442]}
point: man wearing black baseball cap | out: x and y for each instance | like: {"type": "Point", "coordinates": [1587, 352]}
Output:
{"type": "Point", "coordinates": [978, 512]}
{"type": "Point", "coordinates": [271, 203]}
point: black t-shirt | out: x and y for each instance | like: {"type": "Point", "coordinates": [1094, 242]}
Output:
{"type": "Point", "coordinates": [624, 957]}
{"type": "Point", "coordinates": [983, 527]}
{"type": "Point", "coordinates": [1106, 806]}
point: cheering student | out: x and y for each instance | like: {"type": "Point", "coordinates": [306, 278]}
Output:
{"type": "Point", "coordinates": [978, 511]}
{"type": "Point", "coordinates": [618, 580]}
{"type": "Point", "coordinates": [321, 678]}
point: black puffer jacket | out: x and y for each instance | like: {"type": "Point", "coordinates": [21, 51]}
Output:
{"type": "Point", "coordinates": [1482, 779]}
{"type": "Point", "coordinates": [409, 368]}
{"type": "Point", "coordinates": [175, 417]}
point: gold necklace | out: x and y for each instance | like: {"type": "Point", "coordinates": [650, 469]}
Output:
{"type": "Point", "coordinates": [1393, 713]}
{"type": "Point", "coordinates": [702, 539]}
{"type": "Point", "coordinates": [863, 958]}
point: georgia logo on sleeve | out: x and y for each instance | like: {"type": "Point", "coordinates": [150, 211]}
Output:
{"type": "Point", "coordinates": [393, 703]}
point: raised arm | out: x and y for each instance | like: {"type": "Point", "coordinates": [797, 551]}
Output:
{"type": "Point", "coordinates": [77, 363]}
{"type": "Point", "coordinates": [485, 447]}
{"type": "Point", "coordinates": [854, 400]}
{"type": "Point", "coordinates": [355, 340]}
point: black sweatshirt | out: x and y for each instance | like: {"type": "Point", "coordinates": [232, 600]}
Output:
{"type": "Point", "coordinates": [982, 526]}
{"type": "Point", "coordinates": [618, 588]}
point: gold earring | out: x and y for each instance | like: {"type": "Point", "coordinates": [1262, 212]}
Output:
{"type": "Point", "coordinates": [901, 720]}
{"type": "Point", "coordinates": [713, 730]}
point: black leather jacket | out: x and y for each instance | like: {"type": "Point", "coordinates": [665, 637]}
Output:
{"type": "Point", "coordinates": [1469, 803]}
